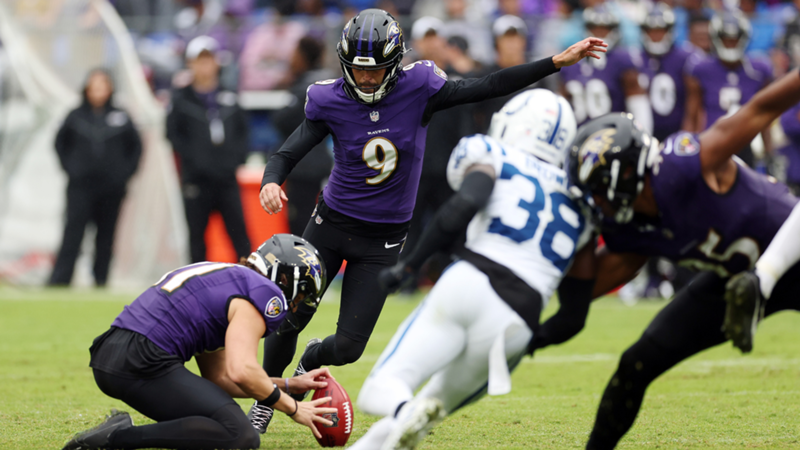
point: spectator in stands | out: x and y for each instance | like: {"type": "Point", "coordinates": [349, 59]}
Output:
{"type": "Point", "coordinates": [309, 176]}
{"type": "Point", "coordinates": [427, 40]}
{"type": "Point", "coordinates": [99, 148]}
{"type": "Point", "coordinates": [510, 42]}
{"type": "Point", "coordinates": [477, 34]}
{"type": "Point", "coordinates": [209, 133]}
{"type": "Point", "coordinates": [264, 63]}
{"type": "Point", "coordinates": [698, 32]}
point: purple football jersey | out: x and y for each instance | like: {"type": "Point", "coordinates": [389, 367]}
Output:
{"type": "Point", "coordinates": [595, 86]}
{"type": "Point", "coordinates": [698, 228]}
{"type": "Point", "coordinates": [186, 312]}
{"type": "Point", "coordinates": [667, 89]}
{"type": "Point", "coordinates": [377, 148]}
{"type": "Point", "coordinates": [724, 89]}
{"type": "Point", "coordinates": [790, 122]}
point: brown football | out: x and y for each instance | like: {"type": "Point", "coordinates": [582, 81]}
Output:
{"type": "Point", "coordinates": [335, 435]}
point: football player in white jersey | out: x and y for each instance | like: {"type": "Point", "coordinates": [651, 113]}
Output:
{"type": "Point", "coordinates": [525, 230]}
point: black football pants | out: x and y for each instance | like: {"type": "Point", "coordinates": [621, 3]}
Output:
{"type": "Point", "coordinates": [88, 202]}
{"type": "Point", "coordinates": [689, 324]}
{"type": "Point", "coordinates": [361, 303]}
{"type": "Point", "coordinates": [202, 197]}
{"type": "Point", "coordinates": [191, 413]}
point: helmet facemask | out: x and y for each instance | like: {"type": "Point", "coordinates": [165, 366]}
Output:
{"type": "Point", "coordinates": [660, 17]}
{"type": "Point", "coordinates": [295, 266]}
{"type": "Point", "coordinates": [609, 159]}
{"type": "Point", "coordinates": [372, 40]}
{"type": "Point", "coordinates": [730, 25]}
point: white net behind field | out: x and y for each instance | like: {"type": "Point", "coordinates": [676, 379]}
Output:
{"type": "Point", "coordinates": [48, 47]}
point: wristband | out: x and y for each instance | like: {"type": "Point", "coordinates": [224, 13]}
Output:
{"type": "Point", "coordinates": [296, 406]}
{"type": "Point", "coordinates": [286, 382]}
{"type": "Point", "coordinates": [271, 398]}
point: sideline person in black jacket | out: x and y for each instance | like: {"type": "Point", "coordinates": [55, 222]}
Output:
{"type": "Point", "coordinates": [209, 132]}
{"type": "Point", "coordinates": [99, 149]}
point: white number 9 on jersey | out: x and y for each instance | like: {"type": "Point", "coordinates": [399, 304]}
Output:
{"type": "Point", "coordinates": [380, 154]}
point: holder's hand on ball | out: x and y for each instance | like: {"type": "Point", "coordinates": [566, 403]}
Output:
{"type": "Point", "coordinates": [310, 412]}
{"type": "Point", "coordinates": [308, 382]}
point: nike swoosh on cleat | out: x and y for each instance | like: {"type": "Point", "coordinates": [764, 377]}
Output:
{"type": "Point", "coordinates": [387, 245]}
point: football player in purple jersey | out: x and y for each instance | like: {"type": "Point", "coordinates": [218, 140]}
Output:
{"type": "Point", "coordinates": [216, 313]}
{"type": "Point", "coordinates": [377, 115]}
{"type": "Point", "coordinates": [687, 200]}
{"type": "Point", "coordinates": [665, 64]}
{"type": "Point", "coordinates": [718, 85]}
{"type": "Point", "coordinates": [610, 83]}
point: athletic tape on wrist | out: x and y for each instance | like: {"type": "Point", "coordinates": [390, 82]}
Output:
{"type": "Point", "coordinates": [271, 398]}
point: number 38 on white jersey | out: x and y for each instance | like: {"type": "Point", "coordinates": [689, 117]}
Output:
{"type": "Point", "coordinates": [532, 224]}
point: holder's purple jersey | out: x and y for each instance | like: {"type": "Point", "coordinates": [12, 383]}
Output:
{"type": "Point", "coordinates": [667, 88]}
{"type": "Point", "coordinates": [726, 90]}
{"type": "Point", "coordinates": [698, 228]}
{"type": "Point", "coordinates": [186, 312]}
{"type": "Point", "coordinates": [595, 85]}
{"type": "Point", "coordinates": [377, 148]}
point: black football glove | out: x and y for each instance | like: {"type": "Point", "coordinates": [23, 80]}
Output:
{"type": "Point", "coordinates": [394, 278]}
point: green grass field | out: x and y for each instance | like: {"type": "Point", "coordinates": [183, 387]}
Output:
{"type": "Point", "coordinates": [718, 399]}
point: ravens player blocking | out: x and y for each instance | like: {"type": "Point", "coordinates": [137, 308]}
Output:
{"type": "Point", "coordinates": [377, 114]}
{"type": "Point", "coordinates": [525, 229]}
{"type": "Point", "coordinates": [688, 200]}
{"type": "Point", "coordinates": [216, 313]}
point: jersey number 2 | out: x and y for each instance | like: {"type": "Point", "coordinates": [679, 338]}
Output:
{"type": "Point", "coordinates": [380, 154]}
{"type": "Point", "coordinates": [557, 229]}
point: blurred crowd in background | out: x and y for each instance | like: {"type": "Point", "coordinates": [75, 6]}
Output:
{"type": "Point", "coordinates": [267, 52]}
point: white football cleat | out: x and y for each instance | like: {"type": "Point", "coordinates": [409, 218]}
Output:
{"type": "Point", "coordinates": [417, 418]}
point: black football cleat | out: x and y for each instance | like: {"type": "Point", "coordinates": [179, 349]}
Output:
{"type": "Point", "coordinates": [300, 370]}
{"type": "Point", "coordinates": [98, 437]}
{"type": "Point", "coordinates": [745, 308]}
{"type": "Point", "coordinates": [260, 417]}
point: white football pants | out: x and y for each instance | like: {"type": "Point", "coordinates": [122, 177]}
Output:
{"type": "Point", "coordinates": [449, 339]}
{"type": "Point", "coordinates": [781, 254]}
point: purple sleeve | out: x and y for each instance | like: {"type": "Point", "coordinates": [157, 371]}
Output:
{"type": "Point", "coordinates": [676, 170]}
{"type": "Point", "coordinates": [269, 301]}
{"type": "Point", "coordinates": [426, 74]}
{"type": "Point", "coordinates": [791, 124]}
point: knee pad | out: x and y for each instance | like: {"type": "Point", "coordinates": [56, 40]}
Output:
{"type": "Point", "coordinates": [243, 434]}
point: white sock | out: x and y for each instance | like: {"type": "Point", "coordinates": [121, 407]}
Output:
{"type": "Point", "coordinates": [783, 252]}
{"type": "Point", "coordinates": [376, 435]}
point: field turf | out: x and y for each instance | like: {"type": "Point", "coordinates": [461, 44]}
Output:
{"type": "Point", "coordinates": [718, 399]}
